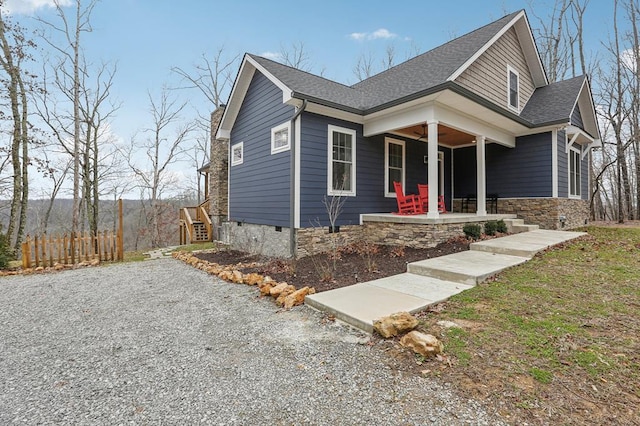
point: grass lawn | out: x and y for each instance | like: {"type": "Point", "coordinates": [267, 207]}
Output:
{"type": "Point", "coordinates": [556, 340]}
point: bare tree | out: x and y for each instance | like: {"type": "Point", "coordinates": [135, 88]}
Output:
{"type": "Point", "coordinates": [296, 56]}
{"type": "Point", "coordinates": [161, 151]}
{"type": "Point", "coordinates": [70, 29]}
{"type": "Point", "coordinates": [364, 66]}
{"type": "Point", "coordinates": [14, 51]}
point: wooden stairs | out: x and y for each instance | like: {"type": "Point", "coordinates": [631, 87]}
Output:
{"type": "Point", "coordinates": [195, 224]}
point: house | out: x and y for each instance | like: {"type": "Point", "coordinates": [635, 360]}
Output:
{"type": "Point", "coordinates": [480, 106]}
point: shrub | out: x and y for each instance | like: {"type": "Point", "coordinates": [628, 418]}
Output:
{"type": "Point", "coordinates": [472, 231]}
{"type": "Point", "coordinates": [502, 227]}
{"type": "Point", "coordinates": [491, 227]}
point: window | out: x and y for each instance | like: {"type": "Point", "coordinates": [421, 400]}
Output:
{"type": "Point", "coordinates": [342, 162]}
{"type": "Point", "coordinates": [574, 173]}
{"type": "Point", "coordinates": [280, 138]}
{"type": "Point", "coordinates": [237, 154]}
{"type": "Point", "coordinates": [394, 165]}
{"type": "Point", "coordinates": [513, 90]}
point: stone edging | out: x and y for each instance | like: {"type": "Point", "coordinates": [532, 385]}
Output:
{"type": "Point", "coordinates": [284, 294]}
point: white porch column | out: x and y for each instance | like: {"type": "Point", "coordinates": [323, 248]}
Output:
{"type": "Point", "coordinates": [481, 170]}
{"type": "Point", "coordinates": [432, 151]}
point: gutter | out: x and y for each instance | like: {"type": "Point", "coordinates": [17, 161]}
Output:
{"type": "Point", "coordinates": [292, 180]}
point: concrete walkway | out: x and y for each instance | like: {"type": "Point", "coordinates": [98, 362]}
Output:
{"type": "Point", "coordinates": [433, 280]}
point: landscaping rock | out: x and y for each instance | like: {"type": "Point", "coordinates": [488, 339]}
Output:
{"type": "Point", "coordinates": [288, 290]}
{"type": "Point", "coordinates": [253, 279]}
{"type": "Point", "coordinates": [426, 345]}
{"type": "Point", "coordinates": [297, 297]}
{"type": "Point", "coordinates": [236, 277]}
{"type": "Point", "coordinates": [265, 288]}
{"type": "Point", "coordinates": [278, 289]}
{"type": "Point", "coordinates": [225, 275]}
{"type": "Point", "coordinates": [395, 324]}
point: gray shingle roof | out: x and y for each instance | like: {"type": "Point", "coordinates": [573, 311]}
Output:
{"type": "Point", "coordinates": [553, 103]}
{"type": "Point", "coordinates": [430, 69]}
{"type": "Point", "coordinates": [419, 75]}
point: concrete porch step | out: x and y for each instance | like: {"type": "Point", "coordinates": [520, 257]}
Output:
{"type": "Point", "coordinates": [360, 304]}
{"type": "Point", "coordinates": [525, 244]}
{"type": "Point", "coordinates": [517, 229]}
{"type": "Point", "coordinates": [468, 267]}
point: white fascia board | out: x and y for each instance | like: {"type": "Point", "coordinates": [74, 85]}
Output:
{"type": "Point", "coordinates": [432, 112]}
{"type": "Point", "coordinates": [484, 48]}
{"type": "Point", "coordinates": [286, 91]}
{"type": "Point", "coordinates": [335, 113]}
{"type": "Point", "coordinates": [585, 102]}
{"type": "Point", "coordinates": [544, 129]}
{"type": "Point", "coordinates": [531, 54]}
{"type": "Point", "coordinates": [238, 92]}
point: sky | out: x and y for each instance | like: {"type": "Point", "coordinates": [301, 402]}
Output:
{"type": "Point", "coordinates": [146, 38]}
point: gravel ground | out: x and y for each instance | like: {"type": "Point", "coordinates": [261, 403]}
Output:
{"type": "Point", "coordinates": [159, 342]}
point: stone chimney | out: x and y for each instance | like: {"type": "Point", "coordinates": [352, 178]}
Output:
{"type": "Point", "coordinates": [218, 172]}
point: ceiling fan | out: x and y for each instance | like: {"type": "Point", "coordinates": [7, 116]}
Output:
{"type": "Point", "coordinates": [425, 132]}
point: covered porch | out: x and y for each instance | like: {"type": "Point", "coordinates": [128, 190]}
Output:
{"type": "Point", "coordinates": [438, 125]}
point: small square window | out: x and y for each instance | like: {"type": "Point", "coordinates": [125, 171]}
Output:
{"type": "Point", "coordinates": [280, 138]}
{"type": "Point", "coordinates": [237, 154]}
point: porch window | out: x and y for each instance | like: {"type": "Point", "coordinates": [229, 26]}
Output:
{"type": "Point", "coordinates": [280, 138]}
{"type": "Point", "coordinates": [237, 154]}
{"type": "Point", "coordinates": [394, 155]}
{"type": "Point", "coordinates": [574, 173]}
{"type": "Point", "coordinates": [342, 162]}
{"type": "Point", "coordinates": [513, 90]}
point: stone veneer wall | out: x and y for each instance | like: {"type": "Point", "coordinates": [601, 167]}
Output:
{"type": "Point", "coordinates": [311, 241]}
{"type": "Point", "coordinates": [218, 172]}
{"type": "Point", "coordinates": [546, 212]}
{"type": "Point", "coordinates": [412, 235]}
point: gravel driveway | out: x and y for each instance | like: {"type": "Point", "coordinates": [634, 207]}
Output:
{"type": "Point", "coordinates": [159, 342]}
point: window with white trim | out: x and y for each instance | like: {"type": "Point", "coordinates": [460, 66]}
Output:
{"type": "Point", "coordinates": [513, 88]}
{"type": "Point", "coordinates": [237, 154]}
{"type": "Point", "coordinates": [394, 160]}
{"type": "Point", "coordinates": [280, 138]}
{"type": "Point", "coordinates": [574, 172]}
{"type": "Point", "coordinates": [341, 176]}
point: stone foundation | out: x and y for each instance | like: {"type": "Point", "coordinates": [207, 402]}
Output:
{"type": "Point", "coordinates": [317, 240]}
{"type": "Point", "coordinates": [258, 239]}
{"type": "Point", "coordinates": [412, 235]}
{"type": "Point", "coordinates": [547, 212]}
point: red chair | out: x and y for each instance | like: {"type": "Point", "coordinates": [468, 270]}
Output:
{"type": "Point", "coordinates": [423, 195]}
{"type": "Point", "coordinates": [407, 204]}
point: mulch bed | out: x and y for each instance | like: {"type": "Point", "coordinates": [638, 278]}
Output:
{"type": "Point", "coordinates": [354, 263]}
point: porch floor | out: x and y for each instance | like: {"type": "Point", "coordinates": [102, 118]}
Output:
{"type": "Point", "coordinates": [422, 218]}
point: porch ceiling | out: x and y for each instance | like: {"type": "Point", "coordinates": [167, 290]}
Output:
{"type": "Point", "coordinates": [446, 135]}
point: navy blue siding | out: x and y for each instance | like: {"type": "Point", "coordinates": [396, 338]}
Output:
{"type": "Point", "coordinates": [576, 118]}
{"type": "Point", "coordinates": [523, 171]}
{"type": "Point", "coordinates": [584, 178]}
{"type": "Point", "coordinates": [259, 188]}
{"type": "Point", "coordinates": [563, 166]}
{"type": "Point", "coordinates": [370, 171]}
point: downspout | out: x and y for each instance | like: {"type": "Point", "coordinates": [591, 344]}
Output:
{"type": "Point", "coordinates": [292, 181]}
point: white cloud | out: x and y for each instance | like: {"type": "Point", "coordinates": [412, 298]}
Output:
{"type": "Point", "coordinates": [29, 6]}
{"type": "Point", "coordinates": [358, 36]}
{"type": "Point", "coordinates": [275, 56]}
{"type": "Point", "coordinates": [380, 33]}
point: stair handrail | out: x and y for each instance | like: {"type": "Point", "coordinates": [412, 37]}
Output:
{"type": "Point", "coordinates": [186, 217]}
{"type": "Point", "coordinates": [204, 217]}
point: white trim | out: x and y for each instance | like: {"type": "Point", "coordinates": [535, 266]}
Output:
{"type": "Point", "coordinates": [570, 142]}
{"type": "Point", "coordinates": [579, 182]}
{"type": "Point", "coordinates": [510, 70]}
{"type": "Point", "coordinates": [296, 207]}
{"type": "Point", "coordinates": [286, 91]}
{"type": "Point", "coordinates": [481, 176]}
{"type": "Point", "coordinates": [240, 146]}
{"type": "Point", "coordinates": [554, 163]}
{"type": "Point", "coordinates": [277, 129]}
{"type": "Point", "coordinates": [402, 143]}
{"type": "Point", "coordinates": [331, 129]}
{"type": "Point", "coordinates": [335, 113]}
{"type": "Point", "coordinates": [432, 170]}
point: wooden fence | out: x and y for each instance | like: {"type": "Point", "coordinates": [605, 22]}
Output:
{"type": "Point", "coordinates": [47, 250]}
